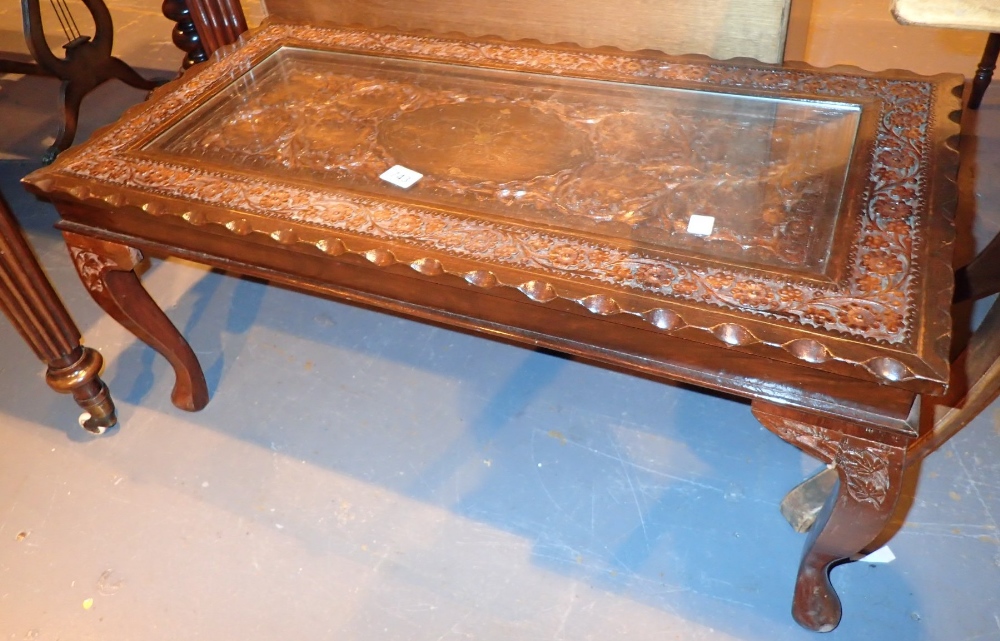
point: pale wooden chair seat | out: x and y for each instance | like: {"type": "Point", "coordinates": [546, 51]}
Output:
{"type": "Point", "coordinates": [978, 15]}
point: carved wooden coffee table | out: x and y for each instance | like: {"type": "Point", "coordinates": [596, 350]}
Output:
{"type": "Point", "coordinates": [782, 234]}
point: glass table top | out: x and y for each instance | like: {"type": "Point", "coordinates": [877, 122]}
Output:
{"type": "Point", "coordinates": [754, 180]}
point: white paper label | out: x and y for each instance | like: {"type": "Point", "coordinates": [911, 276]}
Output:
{"type": "Point", "coordinates": [701, 225]}
{"type": "Point", "coordinates": [881, 555]}
{"type": "Point", "coordinates": [401, 176]}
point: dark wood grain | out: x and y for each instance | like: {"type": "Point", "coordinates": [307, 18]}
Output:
{"type": "Point", "coordinates": [259, 186]}
{"type": "Point", "coordinates": [87, 64]}
{"type": "Point", "coordinates": [184, 34]}
{"type": "Point", "coordinates": [28, 299]}
{"type": "Point", "coordinates": [106, 270]}
{"type": "Point", "coordinates": [871, 472]}
{"type": "Point", "coordinates": [984, 73]}
{"type": "Point", "coordinates": [203, 26]}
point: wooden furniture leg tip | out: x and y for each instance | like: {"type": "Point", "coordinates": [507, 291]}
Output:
{"type": "Point", "coordinates": [191, 396]}
{"type": "Point", "coordinates": [81, 379]}
{"type": "Point", "coordinates": [99, 413]}
{"type": "Point", "coordinates": [817, 606]}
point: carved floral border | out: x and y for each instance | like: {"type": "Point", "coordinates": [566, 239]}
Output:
{"type": "Point", "coordinates": [877, 303]}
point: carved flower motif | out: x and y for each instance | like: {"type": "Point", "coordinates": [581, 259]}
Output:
{"type": "Point", "coordinates": [897, 158]}
{"type": "Point", "coordinates": [790, 294]}
{"type": "Point", "coordinates": [875, 242]}
{"type": "Point", "coordinates": [566, 256]}
{"type": "Point", "coordinates": [621, 271]}
{"type": "Point", "coordinates": [869, 283]}
{"type": "Point", "coordinates": [752, 293]}
{"type": "Point", "coordinates": [891, 321]}
{"type": "Point", "coordinates": [685, 286]}
{"type": "Point", "coordinates": [539, 243]}
{"type": "Point", "coordinates": [719, 280]}
{"type": "Point", "coordinates": [858, 316]}
{"type": "Point", "coordinates": [904, 91]}
{"type": "Point", "coordinates": [819, 315]}
{"type": "Point", "coordinates": [899, 192]}
{"type": "Point", "coordinates": [153, 176]}
{"type": "Point", "coordinates": [893, 209]}
{"type": "Point", "coordinates": [271, 199]}
{"type": "Point", "coordinates": [866, 473]}
{"type": "Point", "coordinates": [882, 262]}
{"type": "Point", "coordinates": [766, 79]}
{"type": "Point", "coordinates": [905, 120]}
{"type": "Point", "coordinates": [505, 249]}
{"type": "Point", "coordinates": [655, 275]}
{"type": "Point", "coordinates": [479, 242]}
{"type": "Point", "coordinates": [90, 266]}
{"type": "Point", "coordinates": [686, 72]}
{"type": "Point", "coordinates": [898, 226]}
{"type": "Point", "coordinates": [406, 223]}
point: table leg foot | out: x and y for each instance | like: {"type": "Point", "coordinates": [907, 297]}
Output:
{"type": "Point", "coordinates": [107, 271]}
{"type": "Point", "coordinates": [870, 474]}
{"type": "Point", "coordinates": [81, 379]}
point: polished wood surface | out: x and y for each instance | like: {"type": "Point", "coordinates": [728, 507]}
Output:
{"type": "Point", "coordinates": [184, 34]}
{"type": "Point", "coordinates": [27, 298]}
{"type": "Point", "coordinates": [843, 385]}
{"type": "Point", "coordinates": [870, 471]}
{"type": "Point", "coordinates": [106, 270]}
{"type": "Point", "coordinates": [718, 28]}
{"type": "Point", "coordinates": [984, 73]}
{"type": "Point", "coordinates": [203, 26]}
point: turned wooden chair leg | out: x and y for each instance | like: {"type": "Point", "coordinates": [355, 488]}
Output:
{"type": "Point", "coordinates": [870, 479]}
{"type": "Point", "coordinates": [27, 298]}
{"type": "Point", "coordinates": [107, 271]}
{"type": "Point", "coordinates": [204, 25]}
{"type": "Point", "coordinates": [981, 277]}
{"type": "Point", "coordinates": [984, 74]}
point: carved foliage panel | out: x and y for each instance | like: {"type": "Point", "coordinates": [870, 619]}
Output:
{"type": "Point", "coordinates": [866, 467]}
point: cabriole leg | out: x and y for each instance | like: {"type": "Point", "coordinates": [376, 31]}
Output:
{"type": "Point", "coordinates": [870, 479]}
{"type": "Point", "coordinates": [107, 271]}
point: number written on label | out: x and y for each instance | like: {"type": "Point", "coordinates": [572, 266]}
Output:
{"type": "Point", "coordinates": [401, 176]}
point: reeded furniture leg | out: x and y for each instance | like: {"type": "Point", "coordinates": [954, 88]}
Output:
{"type": "Point", "coordinates": [870, 479]}
{"type": "Point", "coordinates": [27, 298]}
{"type": "Point", "coordinates": [107, 271]}
{"type": "Point", "coordinates": [984, 74]}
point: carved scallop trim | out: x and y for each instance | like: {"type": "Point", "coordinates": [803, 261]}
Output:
{"type": "Point", "coordinates": [845, 318]}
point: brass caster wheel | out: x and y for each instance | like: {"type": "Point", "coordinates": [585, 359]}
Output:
{"type": "Point", "coordinates": [93, 425]}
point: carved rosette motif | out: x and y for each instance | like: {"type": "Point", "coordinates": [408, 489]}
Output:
{"type": "Point", "coordinates": [874, 302]}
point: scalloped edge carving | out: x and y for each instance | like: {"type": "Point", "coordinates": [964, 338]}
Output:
{"type": "Point", "coordinates": [929, 358]}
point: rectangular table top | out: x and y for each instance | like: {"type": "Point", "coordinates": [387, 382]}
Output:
{"type": "Point", "coordinates": [794, 213]}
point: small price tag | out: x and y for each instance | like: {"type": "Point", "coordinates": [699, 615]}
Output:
{"type": "Point", "coordinates": [401, 176]}
{"type": "Point", "coordinates": [881, 555]}
{"type": "Point", "coordinates": [701, 225]}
